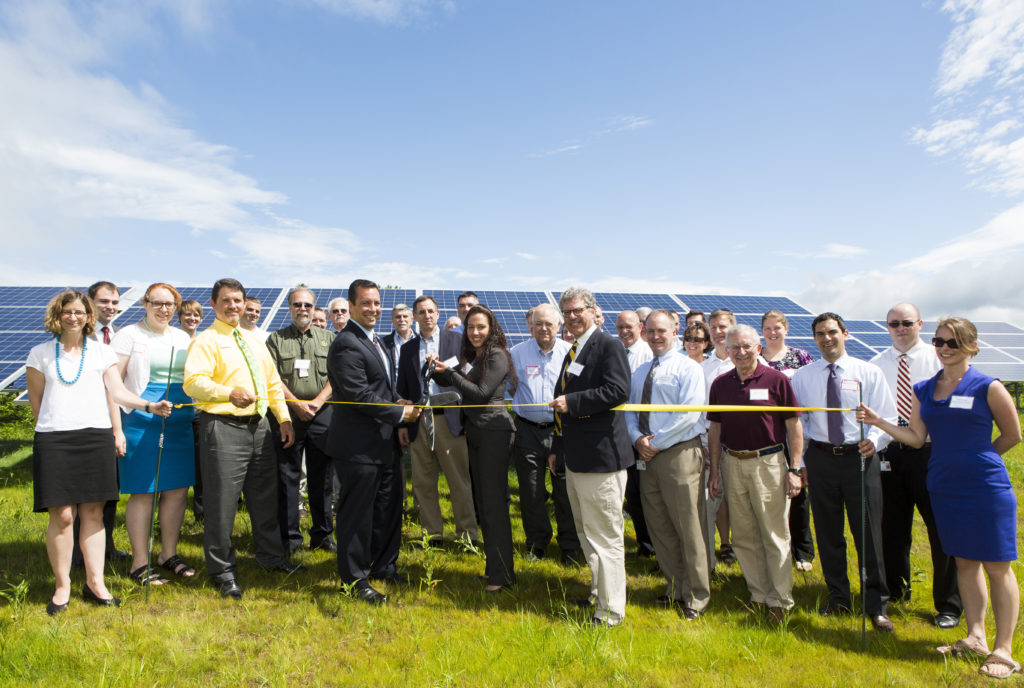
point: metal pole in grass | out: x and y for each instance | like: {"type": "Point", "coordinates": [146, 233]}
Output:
{"type": "Point", "coordinates": [156, 480]}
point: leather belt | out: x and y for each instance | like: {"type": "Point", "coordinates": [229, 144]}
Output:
{"type": "Point", "coordinates": [754, 453]}
{"type": "Point", "coordinates": [835, 450]}
{"type": "Point", "coordinates": [251, 419]}
{"type": "Point", "coordinates": [542, 426]}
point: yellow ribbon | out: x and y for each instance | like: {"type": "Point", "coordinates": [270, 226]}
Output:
{"type": "Point", "coordinates": [656, 408]}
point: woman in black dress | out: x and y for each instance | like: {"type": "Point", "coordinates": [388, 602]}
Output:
{"type": "Point", "coordinates": [481, 378]}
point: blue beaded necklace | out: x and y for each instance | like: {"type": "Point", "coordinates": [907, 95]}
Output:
{"type": "Point", "coordinates": [81, 361]}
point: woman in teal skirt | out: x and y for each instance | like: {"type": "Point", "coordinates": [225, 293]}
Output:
{"type": "Point", "coordinates": [144, 353]}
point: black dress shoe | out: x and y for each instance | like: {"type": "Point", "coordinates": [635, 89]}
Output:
{"type": "Point", "coordinates": [691, 614]}
{"type": "Point", "coordinates": [831, 609]}
{"type": "Point", "coordinates": [571, 557]}
{"type": "Point", "coordinates": [89, 596]}
{"type": "Point", "coordinates": [53, 609]}
{"type": "Point", "coordinates": [114, 554]}
{"type": "Point", "coordinates": [287, 567]}
{"type": "Point", "coordinates": [881, 622]}
{"type": "Point", "coordinates": [582, 602]}
{"type": "Point", "coordinates": [327, 545]}
{"type": "Point", "coordinates": [368, 594]}
{"type": "Point", "coordinates": [229, 588]}
{"type": "Point", "coordinates": [946, 620]}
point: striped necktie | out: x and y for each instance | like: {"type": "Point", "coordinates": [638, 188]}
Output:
{"type": "Point", "coordinates": [904, 391]}
{"type": "Point", "coordinates": [258, 381]}
{"type": "Point", "coordinates": [644, 417]}
{"type": "Point", "coordinates": [564, 381]}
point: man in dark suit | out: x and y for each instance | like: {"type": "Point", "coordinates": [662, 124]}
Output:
{"type": "Point", "coordinates": [593, 443]}
{"type": "Point", "coordinates": [362, 442]}
{"type": "Point", "coordinates": [449, 452]}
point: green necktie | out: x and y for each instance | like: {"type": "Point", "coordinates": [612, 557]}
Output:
{"type": "Point", "coordinates": [257, 378]}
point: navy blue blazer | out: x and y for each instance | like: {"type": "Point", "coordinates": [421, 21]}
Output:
{"type": "Point", "coordinates": [410, 376]}
{"type": "Point", "coordinates": [594, 438]}
{"type": "Point", "coordinates": [360, 434]}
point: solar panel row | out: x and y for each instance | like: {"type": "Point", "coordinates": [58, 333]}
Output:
{"type": "Point", "coordinates": [22, 309]}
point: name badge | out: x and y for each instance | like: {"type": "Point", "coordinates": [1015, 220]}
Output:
{"type": "Point", "coordinates": [759, 395]}
{"type": "Point", "coordinates": [302, 366]}
{"type": "Point", "coordinates": [451, 362]}
{"type": "Point", "coordinates": [641, 465]}
{"type": "Point", "coordinates": [958, 401]}
{"type": "Point", "coordinates": [533, 370]}
{"type": "Point", "coordinates": [574, 368]}
{"type": "Point", "coordinates": [884, 466]}
{"type": "Point", "coordinates": [466, 368]}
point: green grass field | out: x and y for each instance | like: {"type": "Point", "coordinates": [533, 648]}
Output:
{"type": "Point", "coordinates": [441, 631]}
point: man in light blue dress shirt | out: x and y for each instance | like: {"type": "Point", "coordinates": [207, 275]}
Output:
{"type": "Point", "coordinates": [672, 466]}
{"type": "Point", "coordinates": [537, 362]}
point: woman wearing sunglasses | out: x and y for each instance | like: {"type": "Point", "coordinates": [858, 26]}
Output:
{"type": "Point", "coordinates": [972, 497]}
{"type": "Point", "coordinates": [697, 341]}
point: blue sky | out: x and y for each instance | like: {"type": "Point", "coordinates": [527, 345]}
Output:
{"type": "Point", "coordinates": [848, 155]}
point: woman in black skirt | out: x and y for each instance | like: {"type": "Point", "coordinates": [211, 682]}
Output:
{"type": "Point", "coordinates": [74, 389]}
{"type": "Point", "coordinates": [485, 366]}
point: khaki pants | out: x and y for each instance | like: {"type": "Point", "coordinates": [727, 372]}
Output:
{"type": "Point", "coordinates": [672, 490]}
{"type": "Point", "coordinates": [596, 500]}
{"type": "Point", "coordinates": [450, 455]}
{"type": "Point", "coordinates": [759, 512]}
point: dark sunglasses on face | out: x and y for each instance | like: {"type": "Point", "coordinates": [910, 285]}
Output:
{"type": "Point", "coordinates": [937, 342]}
{"type": "Point", "coordinates": [896, 323]}
{"type": "Point", "coordinates": [694, 339]}
{"type": "Point", "coordinates": [300, 304]}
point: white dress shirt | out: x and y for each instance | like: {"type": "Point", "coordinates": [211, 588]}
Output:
{"type": "Point", "coordinates": [811, 386]}
{"type": "Point", "coordinates": [924, 364]}
{"type": "Point", "coordinates": [538, 375]}
{"type": "Point", "coordinates": [638, 354]}
{"type": "Point", "coordinates": [429, 345]}
{"type": "Point", "coordinates": [677, 380]}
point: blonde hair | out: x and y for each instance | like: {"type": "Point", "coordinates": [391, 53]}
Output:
{"type": "Point", "coordinates": [777, 315]}
{"type": "Point", "coordinates": [52, 322]}
{"type": "Point", "coordinates": [965, 334]}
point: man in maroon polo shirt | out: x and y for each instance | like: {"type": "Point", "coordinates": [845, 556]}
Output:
{"type": "Point", "coordinates": [748, 460]}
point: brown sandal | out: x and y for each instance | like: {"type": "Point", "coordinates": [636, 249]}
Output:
{"type": "Point", "coordinates": [962, 648]}
{"type": "Point", "coordinates": [994, 660]}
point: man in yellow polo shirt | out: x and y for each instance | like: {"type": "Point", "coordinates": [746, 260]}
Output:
{"type": "Point", "coordinates": [232, 377]}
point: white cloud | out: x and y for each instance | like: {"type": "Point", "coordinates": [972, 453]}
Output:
{"type": "Point", "coordinates": [628, 123]}
{"type": "Point", "coordinates": [557, 151]}
{"type": "Point", "coordinates": [528, 256]}
{"type": "Point", "coordinates": [386, 11]}
{"type": "Point", "coordinates": [979, 83]}
{"type": "Point", "coordinates": [830, 250]}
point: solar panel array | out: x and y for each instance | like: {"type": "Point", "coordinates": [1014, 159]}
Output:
{"type": "Point", "coordinates": [22, 310]}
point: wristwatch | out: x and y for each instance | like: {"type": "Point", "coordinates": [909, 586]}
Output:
{"type": "Point", "coordinates": [797, 472]}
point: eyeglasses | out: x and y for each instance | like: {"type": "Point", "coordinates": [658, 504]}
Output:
{"type": "Point", "coordinates": [300, 304]}
{"type": "Point", "coordinates": [336, 311]}
{"type": "Point", "coordinates": [741, 347]}
{"type": "Point", "coordinates": [694, 339]}
{"type": "Point", "coordinates": [575, 312]}
{"type": "Point", "coordinates": [73, 314]}
{"type": "Point", "coordinates": [937, 342]}
{"type": "Point", "coordinates": [161, 304]}
{"type": "Point", "coordinates": [893, 324]}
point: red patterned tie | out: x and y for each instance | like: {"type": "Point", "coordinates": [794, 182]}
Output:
{"type": "Point", "coordinates": [904, 391]}
{"type": "Point", "coordinates": [106, 334]}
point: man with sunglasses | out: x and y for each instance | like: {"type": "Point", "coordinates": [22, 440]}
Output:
{"type": "Point", "coordinates": [833, 460]}
{"type": "Point", "coordinates": [300, 356]}
{"type": "Point", "coordinates": [337, 311]}
{"type": "Point", "coordinates": [904, 471]}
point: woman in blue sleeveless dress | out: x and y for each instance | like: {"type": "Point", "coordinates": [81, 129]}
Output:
{"type": "Point", "coordinates": [972, 497]}
{"type": "Point", "coordinates": [144, 352]}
